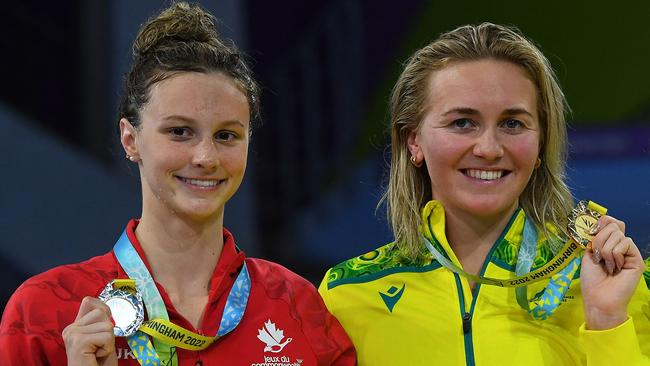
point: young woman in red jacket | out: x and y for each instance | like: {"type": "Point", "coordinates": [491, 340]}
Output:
{"type": "Point", "coordinates": [185, 121]}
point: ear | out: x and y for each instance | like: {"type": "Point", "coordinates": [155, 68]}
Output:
{"type": "Point", "coordinates": [128, 137]}
{"type": "Point", "coordinates": [417, 156]}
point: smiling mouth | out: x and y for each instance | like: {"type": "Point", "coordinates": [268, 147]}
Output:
{"type": "Point", "coordinates": [485, 174]}
{"type": "Point", "coordinates": [202, 183]}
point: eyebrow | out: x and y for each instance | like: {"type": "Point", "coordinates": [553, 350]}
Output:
{"type": "Point", "coordinates": [472, 112]}
{"type": "Point", "coordinates": [188, 120]}
{"type": "Point", "coordinates": [175, 117]}
{"type": "Point", "coordinates": [515, 111]}
{"type": "Point", "coordinates": [462, 110]}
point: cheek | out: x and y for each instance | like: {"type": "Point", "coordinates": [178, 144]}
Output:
{"type": "Point", "coordinates": [234, 160]}
{"type": "Point", "coordinates": [166, 157]}
{"type": "Point", "coordinates": [445, 150]}
{"type": "Point", "coordinates": [525, 151]}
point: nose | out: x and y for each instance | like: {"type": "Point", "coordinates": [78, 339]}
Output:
{"type": "Point", "coordinates": [206, 155]}
{"type": "Point", "coordinates": [488, 145]}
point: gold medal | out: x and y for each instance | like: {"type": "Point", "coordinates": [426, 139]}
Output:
{"type": "Point", "coordinates": [584, 220]}
{"type": "Point", "coordinates": [127, 307]}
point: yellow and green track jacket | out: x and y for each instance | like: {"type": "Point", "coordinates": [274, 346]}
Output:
{"type": "Point", "coordinates": [403, 313]}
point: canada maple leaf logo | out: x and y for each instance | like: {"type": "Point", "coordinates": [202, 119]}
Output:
{"type": "Point", "coordinates": [272, 336]}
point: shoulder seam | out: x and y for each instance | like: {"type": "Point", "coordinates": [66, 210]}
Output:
{"type": "Point", "coordinates": [377, 275]}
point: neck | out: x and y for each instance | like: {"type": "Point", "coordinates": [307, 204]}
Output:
{"type": "Point", "coordinates": [471, 237]}
{"type": "Point", "coordinates": [181, 252]}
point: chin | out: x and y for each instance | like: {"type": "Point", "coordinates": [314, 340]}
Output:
{"type": "Point", "coordinates": [200, 212]}
{"type": "Point", "coordinates": [200, 217]}
{"type": "Point", "coordinates": [491, 208]}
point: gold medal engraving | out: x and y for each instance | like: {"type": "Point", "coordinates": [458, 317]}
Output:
{"type": "Point", "coordinates": [584, 221]}
{"type": "Point", "coordinates": [127, 307]}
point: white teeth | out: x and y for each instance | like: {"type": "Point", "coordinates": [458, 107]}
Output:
{"type": "Point", "coordinates": [201, 182]}
{"type": "Point", "coordinates": [484, 174]}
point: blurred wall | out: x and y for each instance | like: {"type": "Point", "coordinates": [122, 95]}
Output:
{"type": "Point", "coordinates": [67, 191]}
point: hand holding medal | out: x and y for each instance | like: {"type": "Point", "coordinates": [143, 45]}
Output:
{"type": "Point", "coordinates": [89, 340]}
{"type": "Point", "coordinates": [611, 268]}
{"type": "Point", "coordinates": [119, 311]}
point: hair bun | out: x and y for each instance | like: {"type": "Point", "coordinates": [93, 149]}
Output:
{"type": "Point", "coordinates": [182, 38]}
{"type": "Point", "coordinates": [180, 22]}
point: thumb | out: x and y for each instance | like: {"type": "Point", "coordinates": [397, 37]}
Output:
{"type": "Point", "coordinates": [589, 265]}
{"type": "Point", "coordinates": [588, 259]}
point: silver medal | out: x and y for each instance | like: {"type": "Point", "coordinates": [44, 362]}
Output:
{"type": "Point", "coordinates": [127, 309]}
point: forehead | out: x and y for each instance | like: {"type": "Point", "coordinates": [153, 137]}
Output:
{"type": "Point", "coordinates": [481, 84]}
{"type": "Point", "coordinates": [198, 96]}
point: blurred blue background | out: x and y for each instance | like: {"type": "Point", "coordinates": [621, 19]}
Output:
{"type": "Point", "coordinates": [317, 162]}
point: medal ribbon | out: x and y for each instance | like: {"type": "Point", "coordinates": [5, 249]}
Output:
{"type": "Point", "coordinates": [165, 334]}
{"type": "Point", "coordinates": [568, 252]}
{"type": "Point", "coordinates": [546, 302]}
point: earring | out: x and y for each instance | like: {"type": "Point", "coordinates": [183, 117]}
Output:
{"type": "Point", "coordinates": [415, 162]}
{"type": "Point", "coordinates": [129, 157]}
{"type": "Point", "coordinates": [538, 163]}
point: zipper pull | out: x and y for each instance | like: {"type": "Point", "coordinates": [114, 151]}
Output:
{"type": "Point", "coordinates": [467, 322]}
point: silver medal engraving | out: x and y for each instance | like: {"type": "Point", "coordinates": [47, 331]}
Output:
{"type": "Point", "coordinates": [127, 309]}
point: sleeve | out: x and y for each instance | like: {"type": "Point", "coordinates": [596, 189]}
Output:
{"type": "Point", "coordinates": [617, 346]}
{"type": "Point", "coordinates": [28, 333]}
{"type": "Point", "coordinates": [324, 294]}
{"type": "Point", "coordinates": [330, 341]}
{"type": "Point", "coordinates": [627, 344]}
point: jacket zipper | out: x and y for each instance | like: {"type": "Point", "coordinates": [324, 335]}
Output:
{"type": "Point", "coordinates": [465, 315]}
{"type": "Point", "coordinates": [466, 321]}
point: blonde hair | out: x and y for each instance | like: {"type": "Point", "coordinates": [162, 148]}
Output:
{"type": "Point", "coordinates": [546, 199]}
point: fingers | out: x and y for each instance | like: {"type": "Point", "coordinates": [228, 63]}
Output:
{"type": "Point", "coordinates": [98, 344]}
{"type": "Point", "coordinates": [604, 221]}
{"type": "Point", "coordinates": [90, 337]}
{"type": "Point", "coordinates": [91, 303]}
{"type": "Point", "coordinates": [606, 239]}
{"type": "Point", "coordinates": [97, 327]}
{"type": "Point", "coordinates": [612, 246]}
{"type": "Point", "coordinates": [625, 250]}
{"type": "Point", "coordinates": [596, 253]}
{"type": "Point", "coordinates": [613, 251]}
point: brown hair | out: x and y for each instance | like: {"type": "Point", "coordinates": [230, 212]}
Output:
{"type": "Point", "coordinates": [546, 198]}
{"type": "Point", "coordinates": [182, 38]}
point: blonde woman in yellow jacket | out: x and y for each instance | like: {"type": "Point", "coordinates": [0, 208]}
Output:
{"type": "Point", "coordinates": [479, 207]}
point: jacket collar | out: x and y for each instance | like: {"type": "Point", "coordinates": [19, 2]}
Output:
{"type": "Point", "coordinates": [433, 228]}
{"type": "Point", "coordinates": [228, 266]}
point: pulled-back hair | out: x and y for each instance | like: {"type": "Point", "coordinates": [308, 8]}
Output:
{"type": "Point", "coordinates": [182, 38]}
{"type": "Point", "coordinates": [546, 198]}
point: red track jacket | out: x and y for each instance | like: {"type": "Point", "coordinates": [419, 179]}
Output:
{"type": "Point", "coordinates": [30, 332]}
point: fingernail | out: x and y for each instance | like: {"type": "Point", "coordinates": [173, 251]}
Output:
{"type": "Point", "coordinates": [596, 256]}
{"type": "Point", "coordinates": [610, 267]}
